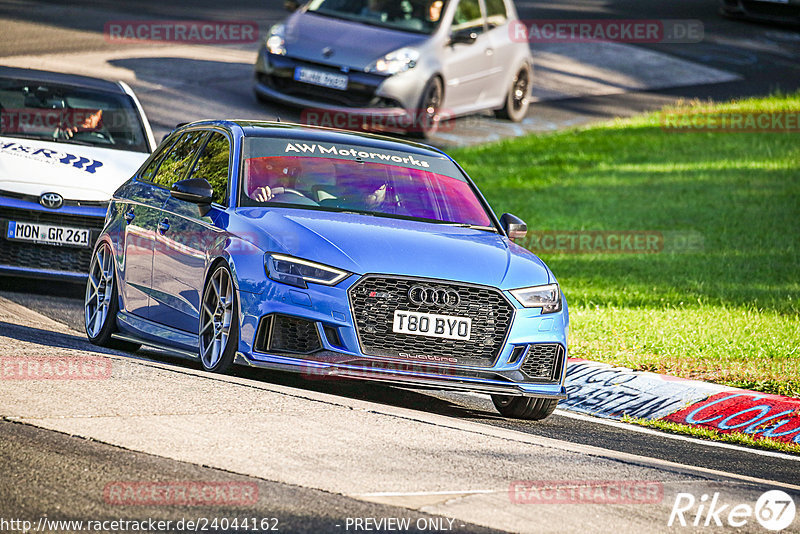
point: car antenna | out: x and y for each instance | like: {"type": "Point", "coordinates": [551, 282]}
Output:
{"type": "Point", "coordinates": [277, 119]}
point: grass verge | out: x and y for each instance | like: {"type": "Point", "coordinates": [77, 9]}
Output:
{"type": "Point", "coordinates": [727, 308]}
{"type": "Point", "coordinates": [736, 438]}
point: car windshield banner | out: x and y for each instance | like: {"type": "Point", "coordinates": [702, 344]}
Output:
{"type": "Point", "coordinates": [261, 147]}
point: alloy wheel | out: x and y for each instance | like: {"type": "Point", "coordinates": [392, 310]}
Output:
{"type": "Point", "coordinates": [519, 90]}
{"type": "Point", "coordinates": [99, 290]}
{"type": "Point", "coordinates": [216, 317]}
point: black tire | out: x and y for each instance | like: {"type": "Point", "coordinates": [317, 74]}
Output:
{"type": "Point", "coordinates": [101, 292]}
{"type": "Point", "coordinates": [219, 312]}
{"type": "Point", "coordinates": [529, 408]}
{"type": "Point", "coordinates": [426, 116]}
{"type": "Point", "coordinates": [518, 97]}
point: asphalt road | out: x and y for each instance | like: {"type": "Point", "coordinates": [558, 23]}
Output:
{"type": "Point", "coordinates": [322, 451]}
{"type": "Point", "coordinates": [572, 85]}
{"type": "Point", "coordinates": [444, 455]}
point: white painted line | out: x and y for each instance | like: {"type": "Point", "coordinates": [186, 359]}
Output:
{"type": "Point", "coordinates": [416, 493]}
{"type": "Point", "coordinates": [643, 430]}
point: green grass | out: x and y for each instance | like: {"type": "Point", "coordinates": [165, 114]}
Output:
{"type": "Point", "coordinates": [737, 438]}
{"type": "Point", "coordinates": [729, 311]}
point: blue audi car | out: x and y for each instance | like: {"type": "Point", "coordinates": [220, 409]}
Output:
{"type": "Point", "coordinates": [327, 253]}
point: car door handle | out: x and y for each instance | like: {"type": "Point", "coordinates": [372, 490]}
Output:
{"type": "Point", "coordinates": [129, 215]}
{"type": "Point", "coordinates": [163, 226]}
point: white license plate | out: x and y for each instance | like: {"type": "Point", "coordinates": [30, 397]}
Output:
{"type": "Point", "coordinates": [48, 234]}
{"type": "Point", "coordinates": [318, 77]}
{"type": "Point", "coordinates": [432, 325]}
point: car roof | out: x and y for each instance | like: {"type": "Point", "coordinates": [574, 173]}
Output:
{"type": "Point", "coordinates": [74, 80]}
{"type": "Point", "coordinates": [306, 133]}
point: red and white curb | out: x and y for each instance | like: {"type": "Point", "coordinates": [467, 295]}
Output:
{"type": "Point", "coordinates": [606, 391]}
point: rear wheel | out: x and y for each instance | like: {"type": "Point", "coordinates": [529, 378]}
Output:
{"type": "Point", "coordinates": [101, 304]}
{"type": "Point", "coordinates": [518, 96]}
{"type": "Point", "coordinates": [219, 326]}
{"type": "Point", "coordinates": [524, 407]}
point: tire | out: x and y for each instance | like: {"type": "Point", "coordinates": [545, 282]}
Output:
{"type": "Point", "coordinates": [219, 323]}
{"type": "Point", "coordinates": [518, 96]}
{"type": "Point", "coordinates": [524, 407]}
{"type": "Point", "coordinates": [101, 303]}
{"type": "Point", "coordinates": [426, 116]}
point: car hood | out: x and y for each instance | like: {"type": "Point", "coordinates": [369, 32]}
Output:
{"type": "Point", "coordinates": [365, 244]}
{"type": "Point", "coordinates": [76, 172]}
{"type": "Point", "coordinates": [307, 34]}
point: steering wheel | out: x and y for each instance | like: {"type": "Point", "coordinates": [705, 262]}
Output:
{"type": "Point", "coordinates": [283, 190]}
{"type": "Point", "coordinates": [97, 135]}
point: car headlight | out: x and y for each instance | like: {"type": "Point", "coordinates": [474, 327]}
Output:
{"type": "Point", "coordinates": [297, 272]}
{"type": "Point", "coordinates": [275, 41]}
{"type": "Point", "coordinates": [548, 297]}
{"type": "Point", "coordinates": [398, 61]}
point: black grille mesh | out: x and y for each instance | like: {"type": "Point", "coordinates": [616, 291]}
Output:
{"type": "Point", "coordinates": [543, 361]}
{"type": "Point", "coordinates": [48, 217]}
{"type": "Point", "coordinates": [282, 333]}
{"type": "Point", "coordinates": [33, 256]}
{"type": "Point", "coordinates": [490, 313]}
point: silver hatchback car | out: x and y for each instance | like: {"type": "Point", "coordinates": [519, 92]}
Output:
{"type": "Point", "coordinates": [401, 65]}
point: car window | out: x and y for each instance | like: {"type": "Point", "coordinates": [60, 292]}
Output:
{"type": "Point", "coordinates": [212, 165]}
{"type": "Point", "coordinates": [60, 113]}
{"type": "Point", "coordinates": [496, 14]}
{"type": "Point", "coordinates": [418, 16]}
{"type": "Point", "coordinates": [150, 171]}
{"type": "Point", "coordinates": [468, 17]}
{"type": "Point", "coordinates": [174, 166]}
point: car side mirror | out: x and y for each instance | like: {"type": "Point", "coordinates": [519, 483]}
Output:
{"type": "Point", "coordinates": [291, 5]}
{"type": "Point", "coordinates": [463, 37]}
{"type": "Point", "coordinates": [195, 190]}
{"type": "Point", "coordinates": [514, 226]}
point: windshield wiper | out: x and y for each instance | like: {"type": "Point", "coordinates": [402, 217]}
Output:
{"type": "Point", "coordinates": [471, 226]}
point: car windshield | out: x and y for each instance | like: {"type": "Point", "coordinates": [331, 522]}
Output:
{"type": "Point", "coordinates": [419, 16]}
{"type": "Point", "coordinates": [358, 179]}
{"type": "Point", "coordinates": [51, 112]}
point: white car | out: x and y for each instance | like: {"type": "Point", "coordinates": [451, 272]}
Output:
{"type": "Point", "coordinates": [66, 144]}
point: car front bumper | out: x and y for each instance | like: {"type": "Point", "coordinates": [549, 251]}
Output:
{"type": "Point", "coordinates": [367, 95]}
{"type": "Point", "coordinates": [36, 260]}
{"type": "Point", "coordinates": [339, 355]}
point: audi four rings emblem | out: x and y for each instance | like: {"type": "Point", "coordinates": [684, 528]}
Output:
{"type": "Point", "coordinates": [434, 296]}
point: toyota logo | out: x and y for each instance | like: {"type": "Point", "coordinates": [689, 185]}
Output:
{"type": "Point", "coordinates": [51, 200]}
{"type": "Point", "coordinates": [434, 296]}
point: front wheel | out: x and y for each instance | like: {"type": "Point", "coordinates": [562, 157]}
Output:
{"type": "Point", "coordinates": [101, 304]}
{"type": "Point", "coordinates": [524, 407]}
{"type": "Point", "coordinates": [518, 96]}
{"type": "Point", "coordinates": [426, 116]}
{"type": "Point", "coordinates": [219, 326]}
